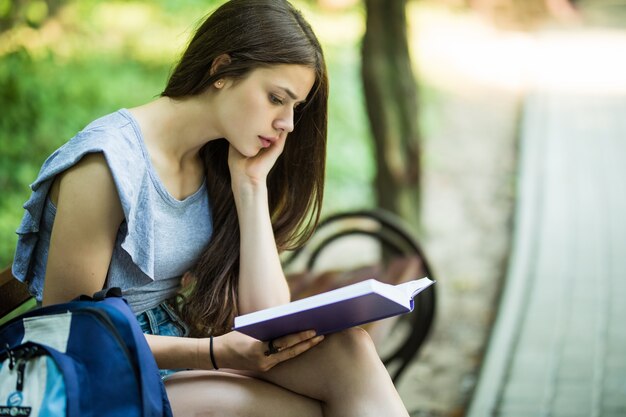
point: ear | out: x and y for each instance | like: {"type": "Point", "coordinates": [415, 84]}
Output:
{"type": "Point", "coordinates": [219, 61]}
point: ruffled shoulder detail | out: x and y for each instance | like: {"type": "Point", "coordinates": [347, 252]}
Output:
{"type": "Point", "coordinates": [118, 138]}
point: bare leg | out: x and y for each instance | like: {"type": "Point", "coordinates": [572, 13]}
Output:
{"type": "Point", "coordinates": [345, 373]}
{"type": "Point", "coordinates": [342, 376]}
{"type": "Point", "coordinates": [210, 393]}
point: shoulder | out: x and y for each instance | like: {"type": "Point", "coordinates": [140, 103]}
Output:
{"type": "Point", "coordinates": [89, 177]}
{"type": "Point", "coordinates": [92, 165]}
{"type": "Point", "coordinates": [86, 198]}
{"type": "Point", "coordinates": [108, 149]}
{"type": "Point", "coordinates": [101, 178]}
{"type": "Point", "coordinates": [116, 135]}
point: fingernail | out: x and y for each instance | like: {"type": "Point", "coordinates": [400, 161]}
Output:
{"type": "Point", "coordinates": [318, 339]}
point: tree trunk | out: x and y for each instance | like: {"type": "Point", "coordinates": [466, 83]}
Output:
{"type": "Point", "coordinates": [392, 106]}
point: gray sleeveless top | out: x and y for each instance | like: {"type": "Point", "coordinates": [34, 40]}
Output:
{"type": "Point", "coordinates": [160, 237]}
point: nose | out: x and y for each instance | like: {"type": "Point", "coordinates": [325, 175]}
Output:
{"type": "Point", "coordinates": [284, 121]}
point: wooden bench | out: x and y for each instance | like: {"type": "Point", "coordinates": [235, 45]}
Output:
{"type": "Point", "coordinates": [14, 296]}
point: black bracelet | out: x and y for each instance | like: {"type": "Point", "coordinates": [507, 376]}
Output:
{"type": "Point", "coordinates": [211, 353]}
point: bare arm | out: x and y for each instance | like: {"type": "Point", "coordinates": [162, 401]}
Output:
{"type": "Point", "coordinates": [262, 282]}
{"type": "Point", "coordinates": [233, 350]}
{"type": "Point", "coordinates": [88, 216]}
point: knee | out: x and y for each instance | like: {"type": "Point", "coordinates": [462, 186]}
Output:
{"type": "Point", "coordinates": [350, 345]}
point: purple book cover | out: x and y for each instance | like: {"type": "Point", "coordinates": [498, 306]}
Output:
{"type": "Point", "coordinates": [332, 311]}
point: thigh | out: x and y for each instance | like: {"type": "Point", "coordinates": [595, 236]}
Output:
{"type": "Point", "coordinates": [222, 393]}
{"type": "Point", "coordinates": [339, 366]}
{"type": "Point", "coordinates": [343, 372]}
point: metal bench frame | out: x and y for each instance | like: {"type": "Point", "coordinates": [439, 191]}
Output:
{"type": "Point", "coordinates": [396, 241]}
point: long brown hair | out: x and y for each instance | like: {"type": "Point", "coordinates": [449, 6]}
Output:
{"type": "Point", "coordinates": [254, 34]}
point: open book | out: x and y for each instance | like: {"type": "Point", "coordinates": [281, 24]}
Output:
{"type": "Point", "coordinates": [349, 306]}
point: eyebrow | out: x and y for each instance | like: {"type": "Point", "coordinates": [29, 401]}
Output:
{"type": "Point", "coordinates": [291, 93]}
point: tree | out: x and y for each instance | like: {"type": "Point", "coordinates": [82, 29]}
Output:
{"type": "Point", "coordinates": [30, 12]}
{"type": "Point", "coordinates": [392, 106]}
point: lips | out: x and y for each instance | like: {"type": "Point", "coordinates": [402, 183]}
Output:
{"type": "Point", "coordinates": [266, 142]}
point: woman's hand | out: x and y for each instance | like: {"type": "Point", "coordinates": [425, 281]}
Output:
{"type": "Point", "coordinates": [236, 350]}
{"type": "Point", "coordinates": [254, 170]}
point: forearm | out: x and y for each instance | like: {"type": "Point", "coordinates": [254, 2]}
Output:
{"type": "Point", "coordinates": [179, 352]}
{"type": "Point", "coordinates": [232, 350]}
{"type": "Point", "coordinates": [262, 282]}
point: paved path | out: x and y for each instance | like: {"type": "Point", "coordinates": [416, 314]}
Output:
{"type": "Point", "coordinates": [558, 347]}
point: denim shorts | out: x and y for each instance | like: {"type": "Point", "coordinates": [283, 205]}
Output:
{"type": "Point", "coordinates": [162, 320]}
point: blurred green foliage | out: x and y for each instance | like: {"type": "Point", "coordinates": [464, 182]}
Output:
{"type": "Point", "coordinates": [44, 103]}
{"type": "Point", "coordinates": [87, 58]}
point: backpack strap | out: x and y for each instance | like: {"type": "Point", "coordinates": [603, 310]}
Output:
{"type": "Point", "coordinates": [114, 292]}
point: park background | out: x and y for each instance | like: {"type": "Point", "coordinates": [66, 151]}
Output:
{"type": "Point", "coordinates": [65, 63]}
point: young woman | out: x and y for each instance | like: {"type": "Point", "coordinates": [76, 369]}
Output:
{"type": "Point", "coordinates": [206, 185]}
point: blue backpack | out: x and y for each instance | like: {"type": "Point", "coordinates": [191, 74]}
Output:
{"type": "Point", "coordinates": [85, 358]}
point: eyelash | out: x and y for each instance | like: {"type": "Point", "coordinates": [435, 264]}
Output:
{"type": "Point", "coordinates": [275, 99]}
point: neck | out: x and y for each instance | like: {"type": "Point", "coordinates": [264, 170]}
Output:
{"type": "Point", "coordinates": [176, 128]}
{"type": "Point", "coordinates": [173, 132]}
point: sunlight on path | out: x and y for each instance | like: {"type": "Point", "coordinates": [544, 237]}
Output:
{"type": "Point", "coordinates": [473, 79]}
{"type": "Point", "coordinates": [450, 49]}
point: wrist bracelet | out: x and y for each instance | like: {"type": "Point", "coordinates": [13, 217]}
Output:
{"type": "Point", "coordinates": [211, 354]}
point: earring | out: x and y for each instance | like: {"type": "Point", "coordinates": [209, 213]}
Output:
{"type": "Point", "coordinates": [219, 83]}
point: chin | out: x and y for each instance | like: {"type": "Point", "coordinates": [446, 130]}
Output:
{"type": "Point", "coordinates": [247, 151]}
{"type": "Point", "coordinates": [251, 153]}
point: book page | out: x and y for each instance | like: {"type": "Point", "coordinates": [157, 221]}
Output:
{"type": "Point", "coordinates": [411, 288]}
